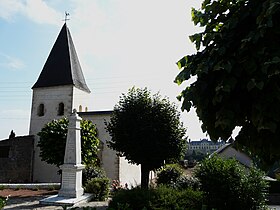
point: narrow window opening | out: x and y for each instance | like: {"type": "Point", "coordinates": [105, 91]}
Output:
{"type": "Point", "coordinates": [80, 108]}
{"type": "Point", "coordinates": [41, 110]}
{"type": "Point", "coordinates": [60, 109]}
{"type": "Point", "coordinates": [86, 109]}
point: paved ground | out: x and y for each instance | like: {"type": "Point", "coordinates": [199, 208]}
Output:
{"type": "Point", "coordinates": [29, 199]}
{"type": "Point", "coordinates": [33, 203]}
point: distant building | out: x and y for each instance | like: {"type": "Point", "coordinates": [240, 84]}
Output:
{"type": "Point", "coordinates": [203, 146]}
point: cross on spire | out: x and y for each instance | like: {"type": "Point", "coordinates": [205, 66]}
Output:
{"type": "Point", "coordinates": [66, 15]}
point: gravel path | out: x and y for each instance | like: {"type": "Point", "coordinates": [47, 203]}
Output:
{"type": "Point", "coordinates": [29, 199]}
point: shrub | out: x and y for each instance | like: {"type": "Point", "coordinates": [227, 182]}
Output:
{"type": "Point", "coordinates": [116, 186]}
{"type": "Point", "coordinates": [3, 202]}
{"type": "Point", "coordinates": [99, 187]}
{"type": "Point", "coordinates": [160, 198]}
{"type": "Point", "coordinates": [166, 198]}
{"type": "Point", "coordinates": [184, 182]}
{"type": "Point", "coordinates": [135, 198]}
{"type": "Point", "coordinates": [91, 172]}
{"type": "Point", "coordinates": [227, 185]}
{"type": "Point", "coordinates": [169, 174]}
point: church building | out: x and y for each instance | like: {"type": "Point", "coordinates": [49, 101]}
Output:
{"type": "Point", "coordinates": [60, 88]}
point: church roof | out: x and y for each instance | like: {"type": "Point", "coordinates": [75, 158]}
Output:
{"type": "Point", "coordinates": [62, 66]}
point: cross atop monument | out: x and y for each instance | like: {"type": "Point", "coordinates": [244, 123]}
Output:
{"type": "Point", "coordinates": [66, 15]}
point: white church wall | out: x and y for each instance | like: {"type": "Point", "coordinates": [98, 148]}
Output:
{"type": "Point", "coordinates": [50, 97]}
{"type": "Point", "coordinates": [109, 159]}
{"type": "Point", "coordinates": [130, 174]}
{"type": "Point", "coordinates": [116, 168]}
{"type": "Point", "coordinates": [80, 100]}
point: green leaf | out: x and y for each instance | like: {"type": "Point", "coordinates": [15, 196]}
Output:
{"type": "Point", "coordinates": [273, 8]}
{"type": "Point", "coordinates": [251, 84]}
{"type": "Point", "coordinates": [182, 62]}
{"type": "Point", "coordinates": [196, 38]}
{"type": "Point", "coordinates": [260, 85]}
{"type": "Point", "coordinates": [186, 105]}
{"type": "Point", "coordinates": [185, 74]}
{"type": "Point", "coordinates": [195, 16]}
{"type": "Point", "coordinates": [205, 3]}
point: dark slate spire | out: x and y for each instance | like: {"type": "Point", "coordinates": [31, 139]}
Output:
{"type": "Point", "coordinates": [62, 66]}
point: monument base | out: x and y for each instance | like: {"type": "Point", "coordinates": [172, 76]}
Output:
{"type": "Point", "coordinates": [57, 200]}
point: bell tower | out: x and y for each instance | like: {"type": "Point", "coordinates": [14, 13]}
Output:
{"type": "Point", "coordinates": [60, 88]}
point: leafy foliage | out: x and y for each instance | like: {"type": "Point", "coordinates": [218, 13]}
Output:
{"type": "Point", "coordinates": [146, 130]}
{"type": "Point", "coordinates": [237, 69]}
{"type": "Point", "coordinates": [99, 187]}
{"type": "Point", "coordinates": [89, 143]}
{"type": "Point", "coordinates": [53, 139]}
{"type": "Point", "coordinates": [172, 175]}
{"type": "Point", "coordinates": [227, 185]}
{"type": "Point", "coordinates": [91, 172]}
{"type": "Point", "coordinates": [3, 202]}
{"type": "Point", "coordinates": [185, 182]}
{"type": "Point", "coordinates": [163, 198]}
{"type": "Point", "coordinates": [169, 174]}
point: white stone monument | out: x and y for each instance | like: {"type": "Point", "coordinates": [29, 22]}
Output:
{"type": "Point", "coordinates": [71, 191]}
{"type": "Point", "coordinates": [71, 185]}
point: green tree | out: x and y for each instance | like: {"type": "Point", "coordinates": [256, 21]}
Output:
{"type": "Point", "coordinates": [146, 130]}
{"type": "Point", "coordinates": [229, 185]}
{"type": "Point", "coordinates": [237, 73]}
{"type": "Point", "coordinates": [53, 140]}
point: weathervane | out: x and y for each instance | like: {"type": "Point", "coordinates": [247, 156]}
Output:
{"type": "Point", "coordinates": [66, 15]}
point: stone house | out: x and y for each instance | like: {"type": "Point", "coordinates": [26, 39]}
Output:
{"type": "Point", "coordinates": [227, 151]}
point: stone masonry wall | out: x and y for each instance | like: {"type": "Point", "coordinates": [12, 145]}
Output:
{"type": "Point", "coordinates": [16, 156]}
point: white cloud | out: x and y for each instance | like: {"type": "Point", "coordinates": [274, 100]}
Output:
{"type": "Point", "coordinates": [36, 10]}
{"type": "Point", "coordinates": [9, 8]}
{"type": "Point", "coordinates": [132, 29]}
{"type": "Point", "coordinates": [11, 62]}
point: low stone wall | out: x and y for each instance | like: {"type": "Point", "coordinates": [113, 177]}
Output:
{"type": "Point", "coordinates": [16, 157]}
{"type": "Point", "coordinates": [31, 186]}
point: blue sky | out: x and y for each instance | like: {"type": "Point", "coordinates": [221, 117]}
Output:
{"type": "Point", "coordinates": [120, 44]}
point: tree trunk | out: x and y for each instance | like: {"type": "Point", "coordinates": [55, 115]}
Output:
{"type": "Point", "coordinates": [144, 177]}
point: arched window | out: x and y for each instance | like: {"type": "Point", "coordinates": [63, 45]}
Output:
{"type": "Point", "coordinates": [41, 110]}
{"type": "Point", "coordinates": [80, 108]}
{"type": "Point", "coordinates": [60, 110]}
{"type": "Point", "coordinates": [86, 109]}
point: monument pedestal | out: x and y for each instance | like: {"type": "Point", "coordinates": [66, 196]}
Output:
{"type": "Point", "coordinates": [71, 191]}
{"type": "Point", "coordinates": [70, 186]}
{"type": "Point", "coordinates": [57, 200]}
